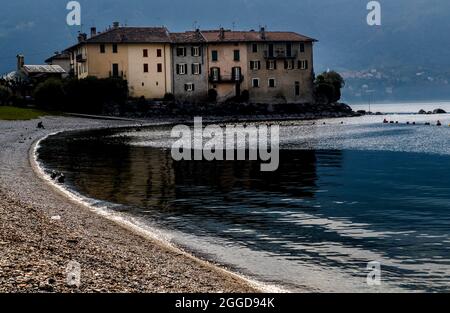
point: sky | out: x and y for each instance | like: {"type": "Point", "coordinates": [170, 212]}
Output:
{"type": "Point", "coordinates": [413, 32]}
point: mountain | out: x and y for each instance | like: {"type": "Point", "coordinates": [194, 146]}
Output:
{"type": "Point", "coordinates": [413, 34]}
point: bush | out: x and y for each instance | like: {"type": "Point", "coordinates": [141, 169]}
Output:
{"type": "Point", "coordinates": [328, 85]}
{"type": "Point", "coordinates": [169, 97]}
{"type": "Point", "coordinates": [50, 94]}
{"type": "Point", "coordinates": [245, 96]}
{"type": "Point", "coordinates": [5, 95]}
{"type": "Point", "coordinates": [91, 95]}
{"type": "Point", "coordinates": [212, 95]}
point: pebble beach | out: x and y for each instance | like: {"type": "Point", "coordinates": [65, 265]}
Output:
{"type": "Point", "coordinates": [42, 231]}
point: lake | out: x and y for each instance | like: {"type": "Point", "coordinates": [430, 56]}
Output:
{"type": "Point", "coordinates": [347, 192]}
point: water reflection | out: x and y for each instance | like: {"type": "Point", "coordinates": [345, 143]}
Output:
{"type": "Point", "coordinates": [326, 209]}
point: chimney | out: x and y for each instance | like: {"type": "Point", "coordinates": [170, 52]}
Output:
{"type": "Point", "coordinates": [222, 34]}
{"type": "Point", "coordinates": [116, 24]}
{"type": "Point", "coordinates": [262, 32]}
{"type": "Point", "coordinates": [82, 37]}
{"type": "Point", "coordinates": [93, 31]}
{"type": "Point", "coordinates": [20, 61]}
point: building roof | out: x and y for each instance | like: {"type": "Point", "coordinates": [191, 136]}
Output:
{"type": "Point", "coordinates": [132, 35]}
{"type": "Point", "coordinates": [43, 69]}
{"type": "Point", "coordinates": [162, 35]}
{"type": "Point", "coordinates": [253, 36]}
{"type": "Point", "coordinates": [58, 56]}
{"type": "Point", "coordinates": [187, 37]}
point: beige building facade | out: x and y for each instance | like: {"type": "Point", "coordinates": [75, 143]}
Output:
{"type": "Point", "coordinates": [270, 67]}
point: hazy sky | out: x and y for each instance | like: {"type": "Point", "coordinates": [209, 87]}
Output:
{"type": "Point", "coordinates": [413, 32]}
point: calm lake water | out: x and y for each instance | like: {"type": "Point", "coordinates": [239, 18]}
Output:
{"type": "Point", "coordinates": [344, 195]}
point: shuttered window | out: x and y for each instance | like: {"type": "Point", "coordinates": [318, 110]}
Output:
{"type": "Point", "coordinates": [302, 47]}
{"type": "Point", "coordinates": [196, 69]}
{"type": "Point", "coordinates": [214, 55]}
{"type": "Point", "coordinates": [236, 55]}
{"type": "Point", "coordinates": [189, 87]}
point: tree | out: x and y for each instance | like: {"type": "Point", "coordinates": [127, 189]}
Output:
{"type": "Point", "coordinates": [50, 94]}
{"type": "Point", "coordinates": [328, 85]}
{"type": "Point", "coordinates": [5, 95]}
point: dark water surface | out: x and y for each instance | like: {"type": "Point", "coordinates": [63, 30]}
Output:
{"type": "Point", "coordinates": [316, 222]}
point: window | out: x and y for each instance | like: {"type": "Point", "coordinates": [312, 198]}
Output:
{"type": "Point", "coordinates": [195, 51]}
{"type": "Point", "coordinates": [214, 55]}
{"type": "Point", "coordinates": [302, 47]}
{"type": "Point", "coordinates": [196, 69]}
{"type": "Point", "coordinates": [254, 48]}
{"type": "Point", "coordinates": [114, 48]}
{"type": "Point", "coordinates": [145, 53]}
{"type": "Point", "coordinates": [255, 65]}
{"type": "Point", "coordinates": [115, 70]}
{"type": "Point", "coordinates": [181, 52]}
{"type": "Point", "coordinates": [102, 48]}
{"type": "Point", "coordinates": [288, 64]}
{"type": "Point", "coordinates": [288, 50]}
{"type": "Point", "coordinates": [271, 50]}
{"type": "Point", "coordinates": [255, 82]}
{"type": "Point", "coordinates": [159, 67]}
{"type": "Point", "coordinates": [158, 53]}
{"type": "Point", "coordinates": [181, 69]}
{"type": "Point", "coordinates": [303, 64]}
{"type": "Point", "coordinates": [145, 68]}
{"type": "Point", "coordinates": [189, 87]}
{"type": "Point", "coordinates": [271, 82]}
{"type": "Point", "coordinates": [236, 73]}
{"type": "Point", "coordinates": [236, 55]}
{"type": "Point", "coordinates": [215, 74]}
{"type": "Point", "coordinates": [271, 65]}
{"type": "Point", "coordinates": [297, 88]}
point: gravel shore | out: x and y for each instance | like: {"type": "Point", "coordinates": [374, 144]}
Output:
{"type": "Point", "coordinates": [42, 232]}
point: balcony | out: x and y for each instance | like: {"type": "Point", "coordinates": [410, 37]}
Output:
{"type": "Point", "coordinates": [226, 79]}
{"type": "Point", "coordinates": [279, 55]}
{"type": "Point", "coordinates": [81, 58]}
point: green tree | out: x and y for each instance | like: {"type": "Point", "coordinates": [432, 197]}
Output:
{"type": "Point", "coordinates": [328, 85]}
{"type": "Point", "coordinates": [5, 95]}
{"type": "Point", "coordinates": [50, 94]}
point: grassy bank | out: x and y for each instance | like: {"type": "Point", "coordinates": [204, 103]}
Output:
{"type": "Point", "coordinates": [14, 113]}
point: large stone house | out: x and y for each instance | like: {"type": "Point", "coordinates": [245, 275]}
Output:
{"type": "Point", "coordinates": [271, 67]}
{"type": "Point", "coordinates": [190, 66]}
{"type": "Point", "coordinates": [141, 55]}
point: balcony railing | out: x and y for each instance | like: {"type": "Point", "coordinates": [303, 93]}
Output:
{"type": "Point", "coordinates": [116, 75]}
{"type": "Point", "coordinates": [81, 58]}
{"type": "Point", "coordinates": [279, 55]}
{"type": "Point", "coordinates": [226, 78]}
